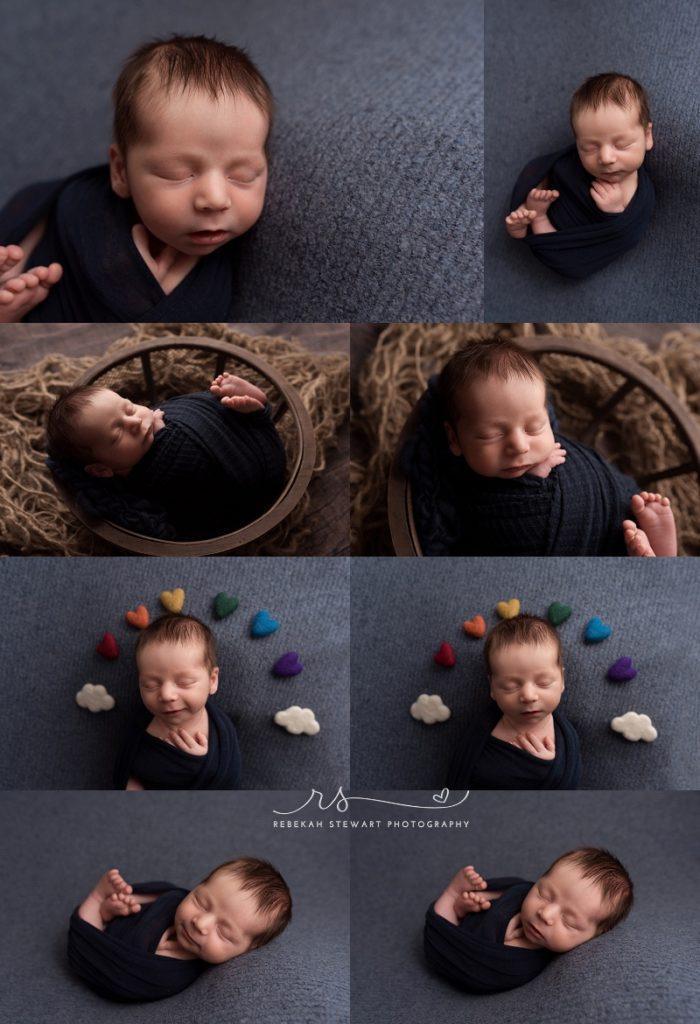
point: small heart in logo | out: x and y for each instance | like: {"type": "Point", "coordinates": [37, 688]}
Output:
{"type": "Point", "coordinates": [288, 665]}
{"type": "Point", "coordinates": [475, 627]}
{"type": "Point", "coordinates": [224, 605]}
{"type": "Point", "coordinates": [173, 600]}
{"type": "Point", "coordinates": [139, 618]}
{"type": "Point", "coordinates": [441, 798]}
{"type": "Point", "coordinates": [445, 656]}
{"type": "Point", "coordinates": [263, 624]}
{"type": "Point", "coordinates": [508, 609]}
{"type": "Point", "coordinates": [558, 613]}
{"type": "Point", "coordinates": [596, 630]}
{"type": "Point", "coordinates": [622, 671]}
{"type": "Point", "coordinates": [108, 647]}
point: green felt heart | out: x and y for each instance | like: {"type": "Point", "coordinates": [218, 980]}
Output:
{"type": "Point", "coordinates": [224, 605]}
{"type": "Point", "coordinates": [558, 613]}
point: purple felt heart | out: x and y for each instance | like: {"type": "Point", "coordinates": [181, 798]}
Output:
{"type": "Point", "coordinates": [288, 665]}
{"type": "Point", "coordinates": [622, 671]}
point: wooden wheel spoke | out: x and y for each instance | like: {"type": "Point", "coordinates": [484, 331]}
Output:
{"type": "Point", "coordinates": [605, 410]}
{"type": "Point", "coordinates": [666, 474]}
{"type": "Point", "coordinates": [148, 377]}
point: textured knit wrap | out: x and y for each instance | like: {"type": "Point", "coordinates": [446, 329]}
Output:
{"type": "Point", "coordinates": [586, 239]}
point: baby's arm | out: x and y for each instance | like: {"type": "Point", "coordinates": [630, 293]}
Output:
{"type": "Point", "coordinates": [462, 896]}
{"type": "Point", "coordinates": [556, 457]}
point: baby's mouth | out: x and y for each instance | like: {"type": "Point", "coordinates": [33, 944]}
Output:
{"type": "Point", "coordinates": [534, 931]}
{"type": "Point", "coordinates": [187, 935]}
{"type": "Point", "coordinates": [209, 237]}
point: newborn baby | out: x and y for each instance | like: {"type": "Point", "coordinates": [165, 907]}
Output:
{"type": "Point", "coordinates": [522, 741]}
{"type": "Point", "coordinates": [490, 476]}
{"type": "Point", "coordinates": [581, 208]}
{"type": "Point", "coordinates": [149, 941]}
{"type": "Point", "coordinates": [201, 466]}
{"type": "Point", "coordinates": [493, 935]}
{"type": "Point", "coordinates": [181, 740]}
{"type": "Point", "coordinates": [147, 238]}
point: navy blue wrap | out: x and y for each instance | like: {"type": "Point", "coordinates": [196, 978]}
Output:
{"type": "Point", "coordinates": [586, 239]}
{"type": "Point", "coordinates": [472, 955]}
{"type": "Point", "coordinates": [121, 962]}
{"type": "Point", "coordinates": [160, 765]}
{"type": "Point", "coordinates": [105, 279]}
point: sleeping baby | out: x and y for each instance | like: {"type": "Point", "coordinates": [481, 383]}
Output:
{"type": "Point", "coordinates": [581, 208]}
{"type": "Point", "coordinates": [202, 466]}
{"type": "Point", "coordinates": [148, 238]}
{"type": "Point", "coordinates": [181, 739]}
{"type": "Point", "coordinates": [493, 935]}
{"type": "Point", "coordinates": [522, 741]}
{"type": "Point", "coordinates": [491, 476]}
{"type": "Point", "coordinates": [151, 940]}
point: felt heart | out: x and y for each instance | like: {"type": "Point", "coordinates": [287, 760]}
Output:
{"type": "Point", "coordinates": [139, 618]}
{"type": "Point", "coordinates": [224, 605]}
{"type": "Point", "coordinates": [441, 797]}
{"type": "Point", "coordinates": [622, 671]}
{"type": "Point", "coordinates": [508, 609]}
{"type": "Point", "coordinates": [475, 627]}
{"type": "Point", "coordinates": [173, 600]}
{"type": "Point", "coordinates": [263, 624]}
{"type": "Point", "coordinates": [445, 656]}
{"type": "Point", "coordinates": [596, 630]}
{"type": "Point", "coordinates": [558, 613]}
{"type": "Point", "coordinates": [108, 647]}
{"type": "Point", "coordinates": [288, 665]}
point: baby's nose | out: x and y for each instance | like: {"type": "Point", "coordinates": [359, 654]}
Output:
{"type": "Point", "coordinates": [213, 194]}
{"type": "Point", "coordinates": [607, 156]}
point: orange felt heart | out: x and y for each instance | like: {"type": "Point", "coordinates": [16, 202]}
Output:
{"type": "Point", "coordinates": [139, 618]}
{"type": "Point", "coordinates": [475, 627]}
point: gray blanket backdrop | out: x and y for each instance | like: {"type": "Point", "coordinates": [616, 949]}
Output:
{"type": "Point", "coordinates": [536, 55]}
{"type": "Point", "coordinates": [644, 970]}
{"type": "Point", "coordinates": [374, 208]}
{"type": "Point", "coordinates": [403, 609]}
{"type": "Point", "coordinates": [56, 611]}
{"type": "Point", "coordinates": [60, 844]}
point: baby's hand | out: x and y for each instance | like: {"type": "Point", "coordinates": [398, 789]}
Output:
{"type": "Point", "coordinates": [542, 748]}
{"type": "Point", "coordinates": [158, 420]}
{"type": "Point", "coordinates": [608, 196]}
{"type": "Point", "coordinates": [471, 903]}
{"type": "Point", "coordinates": [556, 457]}
{"type": "Point", "coordinates": [196, 743]}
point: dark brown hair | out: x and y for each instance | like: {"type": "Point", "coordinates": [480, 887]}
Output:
{"type": "Point", "coordinates": [271, 892]}
{"type": "Point", "coordinates": [478, 360]}
{"type": "Point", "coordinates": [61, 437]}
{"type": "Point", "coordinates": [184, 62]}
{"type": "Point", "coordinates": [611, 87]}
{"type": "Point", "coordinates": [607, 872]}
{"type": "Point", "coordinates": [522, 629]}
{"type": "Point", "coordinates": [179, 629]}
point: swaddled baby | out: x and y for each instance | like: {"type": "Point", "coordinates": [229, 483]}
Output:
{"type": "Point", "coordinates": [152, 940]}
{"type": "Point", "coordinates": [490, 475]}
{"type": "Point", "coordinates": [202, 466]}
{"type": "Point", "coordinates": [522, 741]}
{"type": "Point", "coordinates": [581, 208]}
{"type": "Point", "coordinates": [492, 935]}
{"type": "Point", "coordinates": [181, 739]}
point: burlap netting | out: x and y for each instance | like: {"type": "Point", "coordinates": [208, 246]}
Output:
{"type": "Point", "coordinates": [34, 520]}
{"type": "Point", "coordinates": [639, 436]}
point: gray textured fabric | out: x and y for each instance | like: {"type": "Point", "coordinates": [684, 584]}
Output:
{"type": "Point", "coordinates": [537, 54]}
{"type": "Point", "coordinates": [56, 611]}
{"type": "Point", "coordinates": [403, 609]}
{"type": "Point", "coordinates": [59, 844]}
{"type": "Point", "coordinates": [374, 209]}
{"type": "Point", "coordinates": [643, 970]}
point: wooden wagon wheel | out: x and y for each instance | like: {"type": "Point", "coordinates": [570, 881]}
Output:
{"type": "Point", "coordinates": [404, 535]}
{"type": "Point", "coordinates": [292, 492]}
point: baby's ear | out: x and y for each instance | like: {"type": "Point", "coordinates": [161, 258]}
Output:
{"type": "Point", "coordinates": [97, 469]}
{"type": "Point", "coordinates": [117, 172]}
{"type": "Point", "coordinates": [214, 680]}
{"type": "Point", "coordinates": [648, 137]}
{"type": "Point", "coordinates": [452, 439]}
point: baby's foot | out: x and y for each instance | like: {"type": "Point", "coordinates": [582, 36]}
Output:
{"type": "Point", "coordinates": [119, 904]}
{"type": "Point", "coordinates": [226, 385]}
{"type": "Point", "coordinates": [519, 221]}
{"type": "Point", "coordinates": [111, 884]}
{"type": "Point", "coordinates": [22, 293]}
{"type": "Point", "coordinates": [540, 200]}
{"type": "Point", "coordinates": [636, 540]}
{"type": "Point", "coordinates": [655, 516]}
{"type": "Point", "coordinates": [11, 257]}
{"type": "Point", "coordinates": [470, 903]}
{"type": "Point", "coordinates": [608, 196]}
{"type": "Point", "coordinates": [467, 879]}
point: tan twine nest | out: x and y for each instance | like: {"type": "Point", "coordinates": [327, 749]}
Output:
{"type": "Point", "coordinates": [639, 436]}
{"type": "Point", "coordinates": [34, 518]}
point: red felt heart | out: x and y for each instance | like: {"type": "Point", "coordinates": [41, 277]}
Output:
{"type": "Point", "coordinates": [108, 647]}
{"type": "Point", "coordinates": [445, 656]}
{"type": "Point", "coordinates": [475, 627]}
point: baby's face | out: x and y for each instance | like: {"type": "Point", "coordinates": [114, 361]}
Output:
{"type": "Point", "coordinates": [563, 909]}
{"type": "Point", "coordinates": [218, 920]}
{"type": "Point", "coordinates": [503, 427]}
{"type": "Point", "coordinates": [175, 682]}
{"type": "Point", "coordinates": [198, 175]}
{"type": "Point", "coordinates": [117, 432]}
{"type": "Point", "coordinates": [611, 142]}
{"type": "Point", "coordinates": [526, 682]}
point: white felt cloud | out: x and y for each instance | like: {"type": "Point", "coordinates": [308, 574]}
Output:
{"type": "Point", "coordinates": [94, 698]}
{"type": "Point", "coordinates": [430, 709]}
{"type": "Point", "coordinates": [635, 727]}
{"type": "Point", "coordinates": [297, 720]}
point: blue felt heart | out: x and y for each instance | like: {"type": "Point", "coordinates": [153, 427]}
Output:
{"type": "Point", "coordinates": [596, 630]}
{"type": "Point", "coordinates": [622, 671]}
{"type": "Point", "coordinates": [263, 624]}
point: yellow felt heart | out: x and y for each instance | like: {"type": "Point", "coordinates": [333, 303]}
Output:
{"type": "Point", "coordinates": [508, 609]}
{"type": "Point", "coordinates": [173, 600]}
